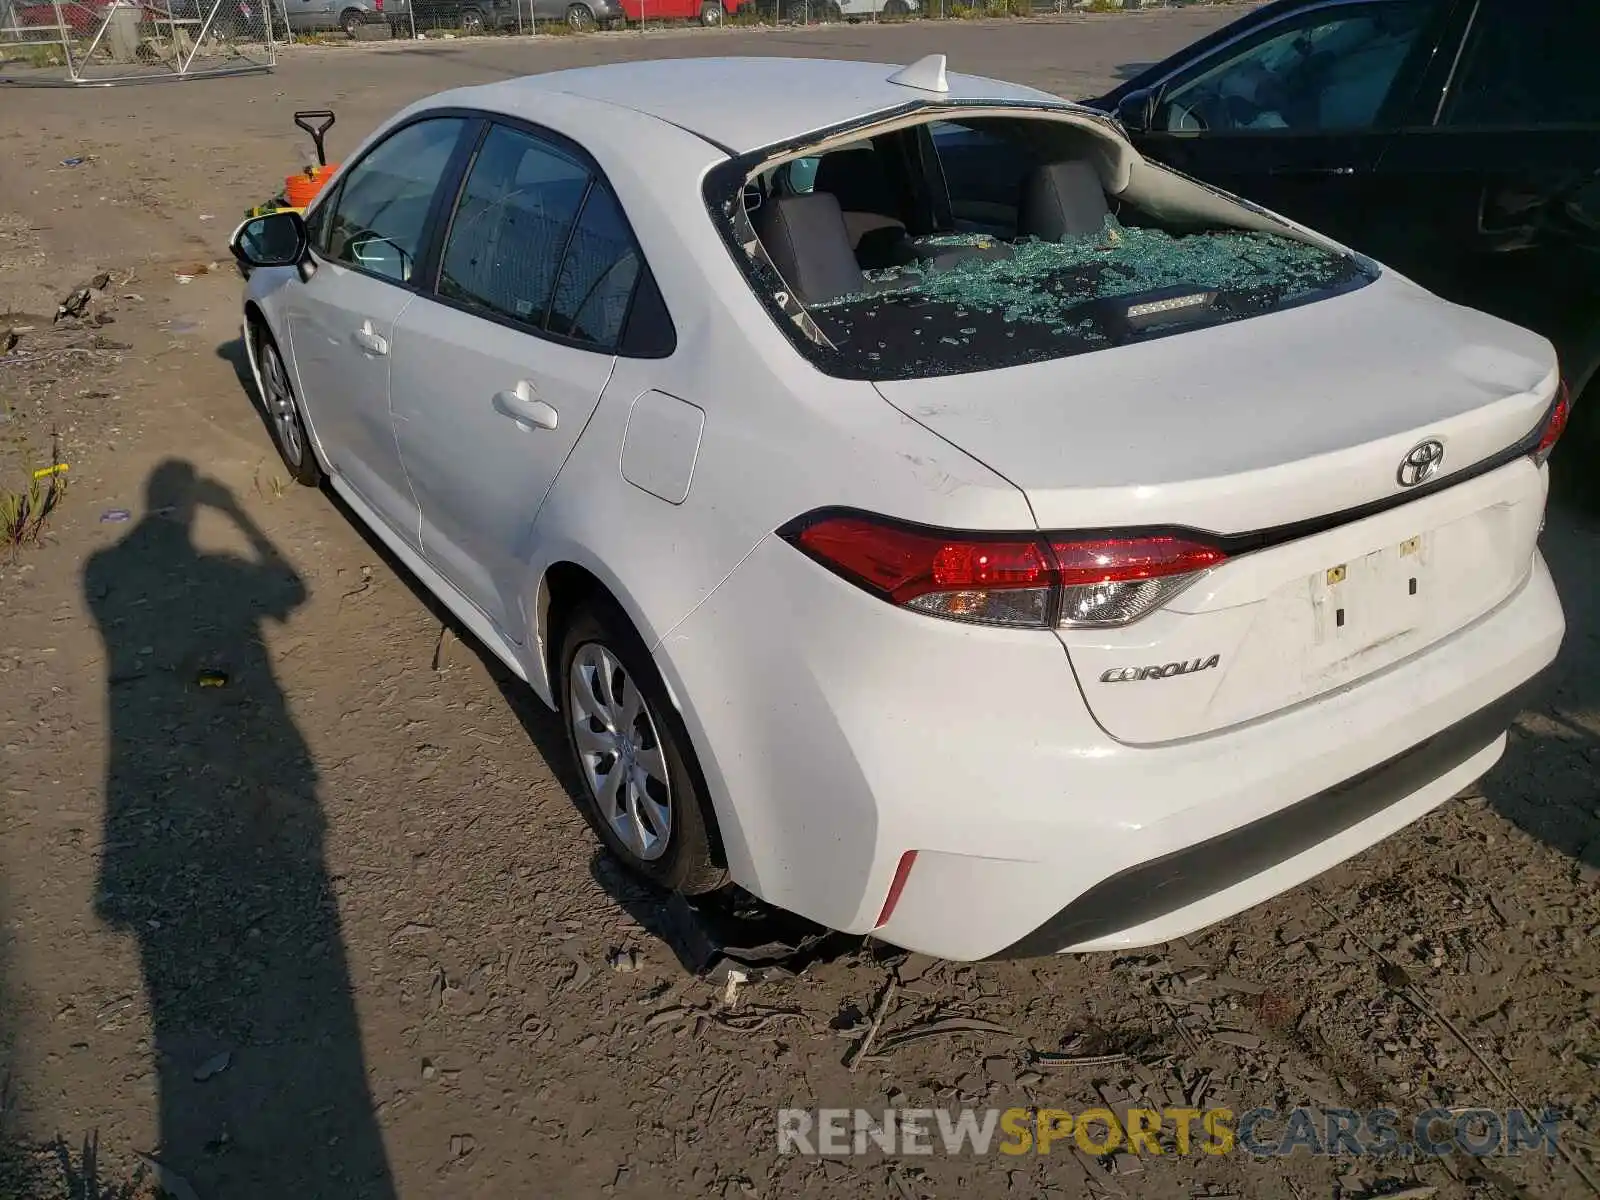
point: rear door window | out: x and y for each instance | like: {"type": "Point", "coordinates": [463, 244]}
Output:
{"type": "Point", "coordinates": [597, 275]}
{"type": "Point", "coordinates": [516, 212]}
{"type": "Point", "coordinates": [1526, 65]}
{"type": "Point", "coordinates": [539, 239]}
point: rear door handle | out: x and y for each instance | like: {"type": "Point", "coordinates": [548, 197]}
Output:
{"type": "Point", "coordinates": [524, 407]}
{"type": "Point", "coordinates": [370, 340]}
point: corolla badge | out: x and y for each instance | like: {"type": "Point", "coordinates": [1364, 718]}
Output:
{"type": "Point", "coordinates": [1165, 671]}
{"type": "Point", "coordinates": [1421, 463]}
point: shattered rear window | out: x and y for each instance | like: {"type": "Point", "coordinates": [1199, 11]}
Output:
{"type": "Point", "coordinates": [1025, 301]}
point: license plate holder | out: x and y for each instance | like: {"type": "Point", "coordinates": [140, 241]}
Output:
{"type": "Point", "coordinates": [1366, 601]}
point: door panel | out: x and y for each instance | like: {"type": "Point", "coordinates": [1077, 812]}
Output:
{"type": "Point", "coordinates": [496, 376]}
{"type": "Point", "coordinates": [369, 240]}
{"type": "Point", "coordinates": [1296, 114]}
{"type": "Point", "coordinates": [485, 416]}
{"type": "Point", "coordinates": [1498, 197]}
{"type": "Point", "coordinates": [341, 323]}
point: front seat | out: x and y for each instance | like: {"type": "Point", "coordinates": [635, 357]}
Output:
{"type": "Point", "coordinates": [1062, 200]}
{"type": "Point", "coordinates": [807, 242]}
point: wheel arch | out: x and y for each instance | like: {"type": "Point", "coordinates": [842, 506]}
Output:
{"type": "Point", "coordinates": [564, 587]}
{"type": "Point", "coordinates": [256, 324]}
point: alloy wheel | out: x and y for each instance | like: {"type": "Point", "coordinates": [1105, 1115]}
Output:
{"type": "Point", "coordinates": [619, 751]}
{"type": "Point", "coordinates": [281, 407]}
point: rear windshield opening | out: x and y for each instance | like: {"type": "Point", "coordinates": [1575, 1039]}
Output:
{"type": "Point", "coordinates": [964, 246]}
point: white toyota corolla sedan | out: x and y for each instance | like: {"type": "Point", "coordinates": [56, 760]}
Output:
{"type": "Point", "coordinates": [922, 510]}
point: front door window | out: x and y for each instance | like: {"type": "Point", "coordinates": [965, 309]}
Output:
{"type": "Point", "coordinates": [1327, 71]}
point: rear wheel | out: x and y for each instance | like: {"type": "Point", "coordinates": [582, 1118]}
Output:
{"type": "Point", "coordinates": [642, 788]}
{"type": "Point", "coordinates": [471, 22]}
{"type": "Point", "coordinates": [711, 13]}
{"type": "Point", "coordinates": [580, 18]}
{"type": "Point", "coordinates": [351, 22]}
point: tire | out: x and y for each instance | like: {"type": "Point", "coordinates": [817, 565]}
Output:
{"type": "Point", "coordinates": [896, 9]}
{"type": "Point", "coordinates": [580, 18]}
{"type": "Point", "coordinates": [710, 13]}
{"type": "Point", "coordinates": [284, 414]}
{"type": "Point", "coordinates": [351, 22]}
{"type": "Point", "coordinates": [472, 23]}
{"type": "Point", "coordinates": [655, 819]}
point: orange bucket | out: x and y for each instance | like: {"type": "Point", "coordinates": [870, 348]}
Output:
{"type": "Point", "coordinates": [302, 187]}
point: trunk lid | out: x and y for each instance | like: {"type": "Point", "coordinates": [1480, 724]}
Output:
{"type": "Point", "coordinates": [1295, 416]}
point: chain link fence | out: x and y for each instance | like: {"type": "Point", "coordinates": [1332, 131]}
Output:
{"type": "Point", "coordinates": [76, 42]}
{"type": "Point", "coordinates": [319, 19]}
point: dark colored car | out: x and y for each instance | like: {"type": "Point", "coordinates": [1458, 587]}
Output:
{"type": "Point", "coordinates": [1458, 141]}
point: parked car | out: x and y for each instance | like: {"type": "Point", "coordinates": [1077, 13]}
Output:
{"type": "Point", "coordinates": [479, 16]}
{"type": "Point", "coordinates": [312, 16]}
{"type": "Point", "coordinates": [856, 10]}
{"type": "Point", "coordinates": [78, 20]}
{"type": "Point", "coordinates": [707, 12]}
{"type": "Point", "coordinates": [997, 571]}
{"type": "Point", "coordinates": [1457, 141]}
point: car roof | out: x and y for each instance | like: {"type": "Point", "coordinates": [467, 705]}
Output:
{"type": "Point", "coordinates": [744, 104]}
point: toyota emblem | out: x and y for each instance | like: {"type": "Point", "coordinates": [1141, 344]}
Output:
{"type": "Point", "coordinates": [1421, 463]}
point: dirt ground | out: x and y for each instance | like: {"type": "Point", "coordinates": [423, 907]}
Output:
{"type": "Point", "coordinates": [351, 901]}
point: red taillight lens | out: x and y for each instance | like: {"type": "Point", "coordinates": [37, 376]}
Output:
{"type": "Point", "coordinates": [1001, 582]}
{"type": "Point", "coordinates": [1019, 580]}
{"type": "Point", "coordinates": [1555, 424]}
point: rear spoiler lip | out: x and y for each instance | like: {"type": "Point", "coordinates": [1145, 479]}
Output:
{"type": "Point", "coordinates": [1232, 544]}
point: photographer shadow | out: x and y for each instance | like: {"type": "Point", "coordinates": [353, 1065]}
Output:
{"type": "Point", "coordinates": [214, 863]}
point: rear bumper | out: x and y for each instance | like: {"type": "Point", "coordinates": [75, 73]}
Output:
{"type": "Point", "coordinates": [1159, 891]}
{"type": "Point", "coordinates": [837, 733]}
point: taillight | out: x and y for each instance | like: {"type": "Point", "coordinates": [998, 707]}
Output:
{"type": "Point", "coordinates": [1554, 424]}
{"type": "Point", "coordinates": [1116, 580]}
{"type": "Point", "coordinates": [1030, 581]}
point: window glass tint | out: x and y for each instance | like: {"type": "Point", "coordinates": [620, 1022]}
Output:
{"type": "Point", "coordinates": [515, 215]}
{"type": "Point", "coordinates": [1528, 65]}
{"type": "Point", "coordinates": [382, 208]}
{"type": "Point", "coordinates": [1328, 72]}
{"type": "Point", "coordinates": [597, 275]}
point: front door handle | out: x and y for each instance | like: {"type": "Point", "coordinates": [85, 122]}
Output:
{"type": "Point", "coordinates": [523, 406]}
{"type": "Point", "coordinates": [370, 340]}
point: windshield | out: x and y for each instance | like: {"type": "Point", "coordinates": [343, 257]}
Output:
{"type": "Point", "coordinates": [952, 247]}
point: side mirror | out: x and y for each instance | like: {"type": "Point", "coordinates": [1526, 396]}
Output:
{"type": "Point", "coordinates": [1137, 111]}
{"type": "Point", "coordinates": [278, 239]}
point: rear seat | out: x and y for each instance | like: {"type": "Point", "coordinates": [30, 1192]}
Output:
{"type": "Point", "coordinates": [807, 241]}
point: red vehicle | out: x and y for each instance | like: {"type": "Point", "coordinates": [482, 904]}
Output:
{"type": "Point", "coordinates": [707, 12]}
